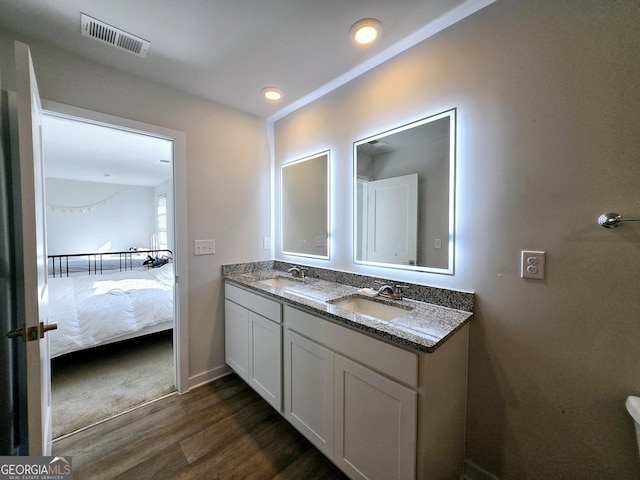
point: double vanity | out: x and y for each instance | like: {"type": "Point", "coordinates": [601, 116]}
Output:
{"type": "Point", "coordinates": [376, 383]}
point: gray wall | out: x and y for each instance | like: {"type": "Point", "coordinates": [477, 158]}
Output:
{"type": "Point", "coordinates": [548, 122]}
{"type": "Point", "coordinates": [228, 171]}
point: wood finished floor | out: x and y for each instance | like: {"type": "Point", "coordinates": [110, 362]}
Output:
{"type": "Point", "coordinates": [223, 430]}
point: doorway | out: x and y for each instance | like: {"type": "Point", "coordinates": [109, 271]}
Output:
{"type": "Point", "coordinates": [137, 217]}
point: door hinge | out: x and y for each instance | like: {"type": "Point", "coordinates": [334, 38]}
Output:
{"type": "Point", "coordinates": [45, 328]}
{"type": "Point", "coordinates": [32, 333]}
{"type": "Point", "coordinates": [17, 332]}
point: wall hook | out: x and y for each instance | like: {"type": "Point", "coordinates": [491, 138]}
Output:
{"type": "Point", "coordinates": [611, 220]}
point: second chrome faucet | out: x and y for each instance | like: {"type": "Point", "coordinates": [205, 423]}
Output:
{"type": "Point", "coordinates": [298, 272]}
{"type": "Point", "coordinates": [388, 291]}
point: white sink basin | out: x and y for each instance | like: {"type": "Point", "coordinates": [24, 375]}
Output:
{"type": "Point", "coordinates": [378, 310]}
{"type": "Point", "coordinates": [279, 282]}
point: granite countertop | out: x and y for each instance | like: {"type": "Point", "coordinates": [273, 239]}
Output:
{"type": "Point", "coordinates": [424, 326]}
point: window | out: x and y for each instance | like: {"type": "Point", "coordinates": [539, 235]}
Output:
{"type": "Point", "coordinates": [161, 218]}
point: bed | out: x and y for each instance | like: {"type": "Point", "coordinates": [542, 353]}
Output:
{"type": "Point", "coordinates": [115, 302]}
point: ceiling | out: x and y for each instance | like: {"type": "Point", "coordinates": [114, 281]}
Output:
{"type": "Point", "coordinates": [88, 152]}
{"type": "Point", "coordinates": [224, 51]}
{"type": "Point", "coordinates": [227, 50]}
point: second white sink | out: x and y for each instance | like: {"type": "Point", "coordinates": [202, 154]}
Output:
{"type": "Point", "coordinates": [372, 308]}
{"type": "Point", "coordinates": [279, 282]}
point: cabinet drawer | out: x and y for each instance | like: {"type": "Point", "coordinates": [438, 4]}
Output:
{"type": "Point", "coordinates": [254, 302]}
{"type": "Point", "coordinates": [383, 357]}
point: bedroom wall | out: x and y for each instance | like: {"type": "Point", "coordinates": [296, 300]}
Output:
{"type": "Point", "coordinates": [127, 220]}
{"type": "Point", "coordinates": [228, 172]}
{"type": "Point", "coordinates": [548, 122]}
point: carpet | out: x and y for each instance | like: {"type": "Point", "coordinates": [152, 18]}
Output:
{"type": "Point", "coordinates": [96, 384]}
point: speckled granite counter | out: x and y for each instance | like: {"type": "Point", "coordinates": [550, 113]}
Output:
{"type": "Point", "coordinates": [424, 327]}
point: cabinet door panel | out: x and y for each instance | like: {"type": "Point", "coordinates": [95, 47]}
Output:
{"type": "Point", "coordinates": [236, 339]}
{"type": "Point", "coordinates": [375, 424]}
{"type": "Point", "coordinates": [309, 390]}
{"type": "Point", "coordinates": [266, 369]}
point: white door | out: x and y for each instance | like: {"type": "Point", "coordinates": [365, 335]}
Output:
{"type": "Point", "coordinates": [392, 220]}
{"type": "Point", "coordinates": [265, 353]}
{"type": "Point", "coordinates": [375, 422]}
{"type": "Point", "coordinates": [308, 390]}
{"type": "Point", "coordinates": [34, 254]}
{"type": "Point", "coordinates": [236, 338]}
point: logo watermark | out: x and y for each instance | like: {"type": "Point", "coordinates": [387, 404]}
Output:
{"type": "Point", "coordinates": [35, 468]}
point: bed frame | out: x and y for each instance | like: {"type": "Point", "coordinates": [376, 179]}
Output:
{"type": "Point", "coordinates": [99, 262]}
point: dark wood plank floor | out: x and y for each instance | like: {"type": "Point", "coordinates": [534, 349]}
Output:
{"type": "Point", "coordinates": [223, 430]}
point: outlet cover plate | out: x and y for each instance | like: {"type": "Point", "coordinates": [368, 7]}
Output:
{"type": "Point", "coordinates": [532, 264]}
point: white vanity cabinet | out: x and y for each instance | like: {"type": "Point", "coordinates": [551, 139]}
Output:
{"type": "Point", "coordinates": [352, 396]}
{"type": "Point", "coordinates": [253, 341]}
{"type": "Point", "coordinates": [377, 410]}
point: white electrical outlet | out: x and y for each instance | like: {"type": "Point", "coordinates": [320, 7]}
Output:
{"type": "Point", "coordinates": [266, 243]}
{"type": "Point", "coordinates": [532, 264]}
{"type": "Point", "coordinates": [204, 247]}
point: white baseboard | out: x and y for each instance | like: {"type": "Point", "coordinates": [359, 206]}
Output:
{"type": "Point", "coordinates": [208, 376]}
{"type": "Point", "coordinates": [474, 472]}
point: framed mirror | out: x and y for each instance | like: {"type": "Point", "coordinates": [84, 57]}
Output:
{"type": "Point", "coordinates": [404, 196]}
{"type": "Point", "coordinates": [304, 206]}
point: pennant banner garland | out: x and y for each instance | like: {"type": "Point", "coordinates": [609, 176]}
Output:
{"type": "Point", "coordinates": [81, 209]}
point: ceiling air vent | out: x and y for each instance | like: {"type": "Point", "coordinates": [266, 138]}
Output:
{"type": "Point", "coordinates": [377, 143]}
{"type": "Point", "coordinates": [91, 27]}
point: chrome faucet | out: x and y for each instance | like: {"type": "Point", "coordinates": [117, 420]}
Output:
{"type": "Point", "coordinates": [388, 291]}
{"type": "Point", "coordinates": [297, 271]}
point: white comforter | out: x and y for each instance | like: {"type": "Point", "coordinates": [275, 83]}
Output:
{"type": "Point", "coordinates": [92, 309]}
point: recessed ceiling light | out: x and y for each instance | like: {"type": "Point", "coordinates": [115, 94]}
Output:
{"type": "Point", "coordinates": [272, 94]}
{"type": "Point", "coordinates": [365, 31]}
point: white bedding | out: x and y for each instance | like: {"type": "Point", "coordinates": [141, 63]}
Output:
{"type": "Point", "coordinates": [95, 309]}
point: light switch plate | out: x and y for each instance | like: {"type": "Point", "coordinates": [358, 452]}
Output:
{"type": "Point", "coordinates": [532, 264]}
{"type": "Point", "coordinates": [204, 247]}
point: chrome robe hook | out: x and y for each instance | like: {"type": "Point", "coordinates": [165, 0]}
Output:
{"type": "Point", "coordinates": [611, 220]}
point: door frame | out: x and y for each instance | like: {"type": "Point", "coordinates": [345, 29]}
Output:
{"type": "Point", "coordinates": [180, 255]}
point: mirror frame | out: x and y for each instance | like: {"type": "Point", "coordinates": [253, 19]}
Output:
{"type": "Point", "coordinates": [326, 153]}
{"type": "Point", "coordinates": [452, 115]}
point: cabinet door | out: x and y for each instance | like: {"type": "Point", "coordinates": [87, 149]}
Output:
{"type": "Point", "coordinates": [265, 372]}
{"type": "Point", "coordinates": [308, 390]}
{"type": "Point", "coordinates": [236, 338]}
{"type": "Point", "coordinates": [375, 424]}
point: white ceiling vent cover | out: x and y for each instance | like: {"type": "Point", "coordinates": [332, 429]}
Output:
{"type": "Point", "coordinates": [91, 27]}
